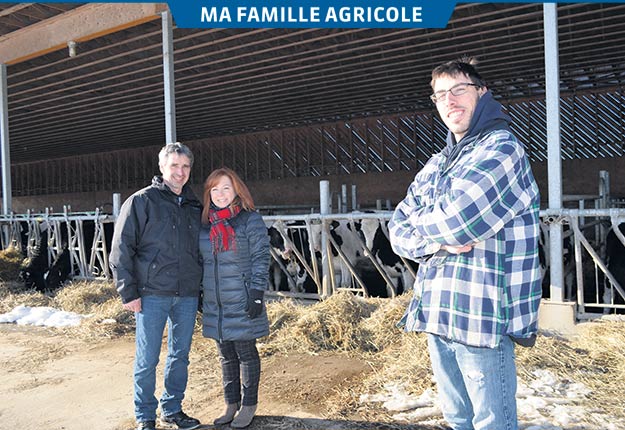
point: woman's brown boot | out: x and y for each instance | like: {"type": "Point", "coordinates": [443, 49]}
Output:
{"type": "Point", "coordinates": [244, 417]}
{"type": "Point", "coordinates": [228, 415]}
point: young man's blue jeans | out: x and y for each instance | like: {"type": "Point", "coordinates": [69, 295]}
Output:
{"type": "Point", "coordinates": [476, 386]}
{"type": "Point", "coordinates": [179, 314]}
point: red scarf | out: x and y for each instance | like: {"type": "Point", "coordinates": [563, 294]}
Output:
{"type": "Point", "coordinates": [221, 233]}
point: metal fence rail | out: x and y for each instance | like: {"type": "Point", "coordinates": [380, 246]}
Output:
{"type": "Point", "coordinates": [328, 266]}
{"type": "Point", "coordinates": [324, 259]}
{"type": "Point", "coordinates": [591, 284]}
{"type": "Point", "coordinates": [587, 279]}
{"type": "Point", "coordinates": [88, 250]}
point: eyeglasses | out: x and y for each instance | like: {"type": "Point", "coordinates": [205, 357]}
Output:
{"type": "Point", "coordinates": [456, 90]}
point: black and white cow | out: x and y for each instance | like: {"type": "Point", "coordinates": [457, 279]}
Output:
{"type": "Point", "coordinates": [615, 261]}
{"type": "Point", "coordinates": [59, 271]}
{"type": "Point", "coordinates": [23, 238]}
{"type": "Point", "coordinates": [287, 271]}
{"type": "Point", "coordinates": [568, 261]}
{"type": "Point", "coordinates": [347, 237]}
{"type": "Point", "coordinates": [359, 242]}
{"type": "Point", "coordinates": [35, 266]}
{"type": "Point", "coordinates": [277, 276]}
{"type": "Point", "coordinates": [377, 241]}
{"type": "Point", "coordinates": [348, 257]}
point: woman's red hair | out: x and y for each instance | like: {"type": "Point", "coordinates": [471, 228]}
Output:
{"type": "Point", "coordinates": [243, 197]}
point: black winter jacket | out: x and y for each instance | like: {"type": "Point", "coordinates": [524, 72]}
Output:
{"type": "Point", "coordinates": [155, 244]}
{"type": "Point", "coordinates": [228, 277]}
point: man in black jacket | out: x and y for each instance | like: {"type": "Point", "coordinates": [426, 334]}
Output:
{"type": "Point", "coordinates": [157, 271]}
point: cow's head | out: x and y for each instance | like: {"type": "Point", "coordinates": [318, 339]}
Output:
{"type": "Point", "coordinates": [278, 244]}
{"type": "Point", "coordinates": [368, 227]}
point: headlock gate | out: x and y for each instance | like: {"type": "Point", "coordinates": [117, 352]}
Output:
{"type": "Point", "coordinates": [315, 255]}
{"type": "Point", "coordinates": [593, 261]}
{"type": "Point", "coordinates": [86, 236]}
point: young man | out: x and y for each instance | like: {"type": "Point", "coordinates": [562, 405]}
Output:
{"type": "Point", "coordinates": [470, 218]}
{"type": "Point", "coordinates": [157, 271]}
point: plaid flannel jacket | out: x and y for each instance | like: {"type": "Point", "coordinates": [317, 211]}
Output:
{"type": "Point", "coordinates": [487, 198]}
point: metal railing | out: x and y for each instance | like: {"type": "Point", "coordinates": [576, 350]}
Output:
{"type": "Point", "coordinates": [589, 281]}
{"type": "Point", "coordinates": [88, 253]}
{"type": "Point", "coordinates": [585, 278]}
{"type": "Point", "coordinates": [328, 266]}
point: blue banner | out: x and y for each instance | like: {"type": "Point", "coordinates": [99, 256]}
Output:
{"type": "Point", "coordinates": [311, 14]}
{"type": "Point", "coordinates": [318, 14]}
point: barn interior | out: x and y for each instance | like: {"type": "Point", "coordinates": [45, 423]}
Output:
{"type": "Point", "coordinates": [287, 108]}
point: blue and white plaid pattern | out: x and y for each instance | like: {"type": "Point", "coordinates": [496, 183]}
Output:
{"type": "Point", "coordinates": [487, 198]}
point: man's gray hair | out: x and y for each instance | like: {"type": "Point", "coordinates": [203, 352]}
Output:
{"type": "Point", "coordinates": [171, 148]}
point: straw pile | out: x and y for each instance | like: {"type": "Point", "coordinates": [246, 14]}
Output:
{"type": "Point", "coordinates": [365, 328]}
{"type": "Point", "coordinates": [12, 294]}
{"type": "Point", "coordinates": [10, 262]}
{"type": "Point", "coordinates": [331, 325]}
{"type": "Point", "coordinates": [98, 301]}
{"type": "Point", "coordinates": [595, 358]}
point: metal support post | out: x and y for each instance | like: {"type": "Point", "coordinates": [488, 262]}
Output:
{"type": "Point", "coordinates": [554, 164]}
{"type": "Point", "coordinates": [168, 78]}
{"type": "Point", "coordinates": [324, 209]}
{"type": "Point", "coordinates": [5, 150]}
{"type": "Point", "coordinates": [604, 203]}
{"type": "Point", "coordinates": [4, 137]}
{"type": "Point", "coordinates": [116, 204]}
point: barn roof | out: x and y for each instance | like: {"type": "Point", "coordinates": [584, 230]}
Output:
{"type": "Point", "coordinates": [109, 96]}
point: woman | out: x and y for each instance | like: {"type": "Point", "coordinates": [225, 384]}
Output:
{"type": "Point", "coordinates": [235, 246]}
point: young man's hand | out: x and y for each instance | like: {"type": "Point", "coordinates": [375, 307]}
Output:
{"type": "Point", "coordinates": [457, 249]}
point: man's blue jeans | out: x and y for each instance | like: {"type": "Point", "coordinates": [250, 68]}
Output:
{"type": "Point", "coordinates": [179, 314]}
{"type": "Point", "coordinates": [476, 386]}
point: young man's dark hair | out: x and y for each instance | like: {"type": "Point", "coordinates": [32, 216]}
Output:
{"type": "Point", "coordinates": [462, 66]}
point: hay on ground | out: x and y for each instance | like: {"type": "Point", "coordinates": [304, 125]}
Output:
{"type": "Point", "coordinates": [101, 303]}
{"type": "Point", "coordinates": [13, 294]}
{"type": "Point", "coordinates": [366, 328]}
{"type": "Point", "coordinates": [331, 325]}
{"type": "Point", "coordinates": [84, 297]}
{"type": "Point", "coordinates": [595, 358]}
{"type": "Point", "coordinates": [10, 263]}
{"type": "Point", "coordinates": [380, 330]}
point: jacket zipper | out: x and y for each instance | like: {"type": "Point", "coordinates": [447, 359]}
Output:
{"type": "Point", "coordinates": [179, 202]}
{"type": "Point", "coordinates": [218, 297]}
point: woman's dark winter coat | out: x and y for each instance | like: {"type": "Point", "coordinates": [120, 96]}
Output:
{"type": "Point", "coordinates": [230, 275]}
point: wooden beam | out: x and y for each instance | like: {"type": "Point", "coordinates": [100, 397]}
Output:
{"type": "Point", "coordinates": [80, 24]}
{"type": "Point", "coordinates": [12, 9]}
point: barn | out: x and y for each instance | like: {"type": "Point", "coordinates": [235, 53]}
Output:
{"type": "Point", "coordinates": [91, 91]}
